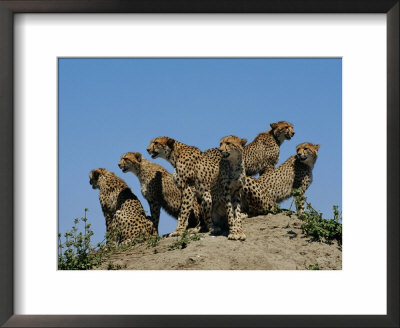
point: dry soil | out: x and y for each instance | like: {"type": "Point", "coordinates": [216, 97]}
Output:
{"type": "Point", "coordinates": [274, 242]}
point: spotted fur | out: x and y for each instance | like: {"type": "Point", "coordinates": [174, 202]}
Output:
{"type": "Point", "coordinates": [275, 186]}
{"type": "Point", "coordinates": [124, 214]}
{"type": "Point", "coordinates": [263, 152]}
{"type": "Point", "coordinates": [226, 192]}
{"type": "Point", "coordinates": [158, 187]}
{"type": "Point", "coordinates": [194, 174]}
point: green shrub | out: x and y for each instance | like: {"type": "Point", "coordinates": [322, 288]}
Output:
{"type": "Point", "coordinates": [76, 252]}
{"type": "Point", "coordinates": [315, 225]}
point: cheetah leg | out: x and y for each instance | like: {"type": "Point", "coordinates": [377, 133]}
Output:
{"type": "Point", "coordinates": [126, 242]}
{"type": "Point", "coordinates": [255, 198]}
{"type": "Point", "coordinates": [267, 204]}
{"type": "Point", "coordinates": [188, 196]}
{"type": "Point", "coordinates": [151, 229]}
{"type": "Point", "coordinates": [108, 218]}
{"type": "Point", "coordinates": [234, 218]}
{"type": "Point", "coordinates": [262, 202]}
{"type": "Point", "coordinates": [257, 204]}
{"type": "Point", "coordinates": [206, 204]}
{"type": "Point", "coordinates": [155, 213]}
{"type": "Point", "coordinates": [121, 231]}
{"type": "Point", "coordinates": [300, 204]}
{"type": "Point", "coordinates": [113, 234]}
{"type": "Point", "coordinates": [194, 218]}
{"type": "Point", "coordinates": [239, 212]}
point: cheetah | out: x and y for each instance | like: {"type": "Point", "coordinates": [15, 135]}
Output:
{"type": "Point", "coordinates": [124, 214]}
{"type": "Point", "coordinates": [158, 187]}
{"type": "Point", "coordinates": [275, 186]}
{"type": "Point", "coordinates": [226, 192]}
{"type": "Point", "coordinates": [263, 152]}
{"type": "Point", "coordinates": [194, 174]}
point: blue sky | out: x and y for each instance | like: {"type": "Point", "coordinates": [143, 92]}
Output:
{"type": "Point", "coordinates": [111, 106]}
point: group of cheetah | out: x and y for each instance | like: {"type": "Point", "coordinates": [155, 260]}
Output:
{"type": "Point", "coordinates": [211, 191]}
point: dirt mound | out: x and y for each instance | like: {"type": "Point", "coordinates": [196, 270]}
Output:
{"type": "Point", "coordinates": [274, 242]}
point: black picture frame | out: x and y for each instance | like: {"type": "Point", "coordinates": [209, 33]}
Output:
{"type": "Point", "coordinates": [10, 7]}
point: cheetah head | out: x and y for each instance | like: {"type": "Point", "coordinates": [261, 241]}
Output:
{"type": "Point", "coordinates": [307, 153]}
{"type": "Point", "coordinates": [161, 147]}
{"type": "Point", "coordinates": [231, 146]}
{"type": "Point", "coordinates": [282, 130]}
{"type": "Point", "coordinates": [130, 162]}
{"type": "Point", "coordinates": [94, 176]}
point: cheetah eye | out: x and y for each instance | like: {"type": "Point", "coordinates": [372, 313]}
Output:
{"type": "Point", "coordinates": [228, 143]}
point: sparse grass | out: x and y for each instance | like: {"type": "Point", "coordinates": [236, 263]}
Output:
{"type": "Point", "coordinates": [276, 209]}
{"type": "Point", "coordinates": [140, 239]}
{"type": "Point", "coordinates": [314, 267]}
{"type": "Point", "coordinates": [183, 241]}
{"type": "Point", "coordinates": [153, 241]}
{"type": "Point", "coordinates": [112, 266]}
{"type": "Point", "coordinates": [289, 213]}
{"type": "Point", "coordinates": [195, 237]}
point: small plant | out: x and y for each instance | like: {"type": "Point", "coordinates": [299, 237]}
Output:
{"type": "Point", "coordinates": [288, 212]}
{"type": "Point", "coordinates": [314, 267]}
{"type": "Point", "coordinates": [76, 253]}
{"type": "Point", "coordinates": [337, 216]}
{"type": "Point", "coordinates": [112, 266]}
{"type": "Point", "coordinates": [153, 241]}
{"type": "Point", "coordinates": [183, 241]}
{"type": "Point", "coordinates": [140, 239]}
{"type": "Point", "coordinates": [123, 246]}
{"type": "Point", "coordinates": [195, 237]}
{"type": "Point", "coordinates": [276, 209]}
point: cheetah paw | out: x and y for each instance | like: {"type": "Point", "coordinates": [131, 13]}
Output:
{"type": "Point", "coordinates": [215, 230]}
{"type": "Point", "coordinates": [176, 233]}
{"type": "Point", "coordinates": [237, 236]}
{"type": "Point", "coordinates": [194, 230]}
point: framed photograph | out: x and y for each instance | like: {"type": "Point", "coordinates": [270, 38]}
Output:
{"type": "Point", "coordinates": [84, 83]}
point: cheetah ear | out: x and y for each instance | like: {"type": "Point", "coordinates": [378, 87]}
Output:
{"type": "Point", "coordinates": [170, 143]}
{"type": "Point", "coordinates": [95, 174]}
{"type": "Point", "coordinates": [317, 146]}
{"type": "Point", "coordinates": [138, 157]}
{"type": "Point", "coordinates": [244, 140]}
{"type": "Point", "coordinates": [273, 125]}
